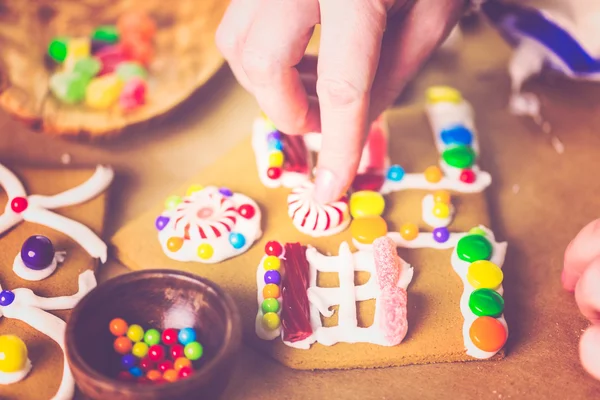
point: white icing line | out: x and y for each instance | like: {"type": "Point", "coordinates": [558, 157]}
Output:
{"type": "Point", "coordinates": [422, 241]}
{"type": "Point", "coordinates": [427, 213]}
{"type": "Point", "coordinates": [8, 378]}
{"type": "Point", "coordinates": [417, 181]}
{"type": "Point", "coordinates": [28, 274]}
{"type": "Point", "coordinates": [12, 185]}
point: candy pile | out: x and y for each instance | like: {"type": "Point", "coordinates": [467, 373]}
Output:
{"type": "Point", "coordinates": [106, 68]}
{"type": "Point", "coordinates": [271, 290]}
{"type": "Point", "coordinates": [152, 356]}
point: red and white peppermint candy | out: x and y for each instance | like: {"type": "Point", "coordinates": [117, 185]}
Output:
{"type": "Point", "coordinates": [316, 219]}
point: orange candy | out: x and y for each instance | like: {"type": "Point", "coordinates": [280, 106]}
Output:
{"type": "Point", "coordinates": [182, 362]}
{"type": "Point", "coordinates": [122, 345]}
{"type": "Point", "coordinates": [271, 291]}
{"type": "Point", "coordinates": [138, 49]}
{"type": "Point", "coordinates": [174, 243]}
{"type": "Point", "coordinates": [488, 334]}
{"type": "Point", "coordinates": [367, 229]}
{"type": "Point", "coordinates": [154, 375]}
{"type": "Point", "coordinates": [136, 23]}
{"type": "Point", "coordinates": [433, 174]}
{"type": "Point", "coordinates": [170, 375]}
{"type": "Point", "coordinates": [409, 231]}
{"type": "Point", "coordinates": [441, 196]}
{"type": "Point", "coordinates": [118, 327]}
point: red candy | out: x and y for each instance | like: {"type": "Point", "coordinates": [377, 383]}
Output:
{"type": "Point", "coordinates": [177, 351]}
{"type": "Point", "coordinates": [246, 211]}
{"type": "Point", "coordinates": [165, 366]}
{"type": "Point", "coordinates": [185, 372]}
{"type": "Point", "coordinates": [156, 352]}
{"type": "Point", "coordinates": [133, 94]}
{"type": "Point", "coordinates": [467, 176]}
{"type": "Point", "coordinates": [146, 364]}
{"type": "Point", "coordinates": [125, 376]}
{"type": "Point", "coordinates": [274, 173]}
{"type": "Point", "coordinates": [110, 57]}
{"type": "Point", "coordinates": [137, 49]}
{"type": "Point", "coordinates": [169, 336]}
{"type": "Point", "coordinates": [19, 204]}
{"type": "Point", "coordinates": [273, 248]}
{"type": "Point", "coordinates": [136, 23]}
{"type": "Point", "coordinates": [143, 379]}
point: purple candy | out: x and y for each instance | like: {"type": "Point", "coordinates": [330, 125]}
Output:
{"type": "Point", "coordinates": [98, 45]}
{"type": "Point", "coordinates": [226, 192]}
{"type": "Point", "coordinates": [161, 222]}
{"type": "Point", "coordinates": [276, 135]}
{"type": "Point", "coordinates": [37, 252]}
{"type": "Point", "coordinates": [6, 298]}
{"type": "Point", "coordinates": [272, 276]}
{"type": "Point", "coordinates": [441, 235]}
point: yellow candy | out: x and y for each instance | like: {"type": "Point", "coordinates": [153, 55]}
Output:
{"type": "Point", "coordinates": [172, 202]}
{"type": "Point", "coordinates": [433, 174]}
{"type": "Point", "coordinates": [409, 231]}
{"type": "Point", "coordinates": [276, 159]}
{"type": "Point", "coordinates": [441, 196]}
{"type": "Point", "coordinates": [77, 49]}
{"type": "Point", "coordinates": [443, 94]}
{"type": "Point", "coordinates": [271, 321]}
{"type": "Point", "coordinates": [13, 354]}
{"type": "Point", "coordinates": [103, 92]}
{"type": "Point", "coordinates": [272, 262]}
{"type": "Point", "coordinates": [484, 274]}
{"type": "Point", "coordinates": [367, 229]}
{"type": "Point", "coordinates": [477, 231]}
{"type": "Point", "coordinates": [441, 210]}
{"type": "Point", "coordinates": [193, 189]}
{"type": "Point", "coordinates": [205, 251]}
{"type": "Point", "coordinates": [268, 121]}
{"type": "Point", "coordinates": [366, 203]}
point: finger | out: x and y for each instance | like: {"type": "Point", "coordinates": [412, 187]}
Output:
{"type": "Point", "coordinates": [232, 32]}
{"type": "Point", "coordinates": [413, 35]}
{"type": "Point", "coordinates": [580, 253]}
{"type": "Point", "coordinates": [275, 44]}
{"type": "Point", "coordinates": [587, 291]}
{"type": "Point", "coordinates": [589, 351]}
{"type": "Point", "coordinates": [351, 34]}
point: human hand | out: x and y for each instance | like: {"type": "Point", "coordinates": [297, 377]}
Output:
{"type": "Point", "coordinates": [581, 274]}
{"type": "Point", "coordinates": [368, 51]}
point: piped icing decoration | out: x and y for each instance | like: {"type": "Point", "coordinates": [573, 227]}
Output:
{"type": "Point", "coordinates": [209, 225]}
{"type": "Point", "coordinates": [268, 281]}
{"type": "Point", "coordinates": [313, 218]}
{"type": "Point", "coordinates": [295, 310]}
{"type": "Point", "coordinates": [452, 121]}
{"type": "Point", "coordinates": [437, 209]}
{"type": "Point", "coordinates": [36, 208]}
{"type": "Point", "coordinates": [14, 362]}
{"type": "Point", "coordinates": [37, 259]}
{"type": "Point", "coordinates": [23, 305]}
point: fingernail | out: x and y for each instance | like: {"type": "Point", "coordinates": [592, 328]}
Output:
{"type": "Point", "coordinates": [328, 187]}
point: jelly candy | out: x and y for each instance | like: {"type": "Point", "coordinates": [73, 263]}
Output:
{"type": "Point", "coordinates": [367, 229]}
{"type": "Point", "coordinates": [106, 33]}
{"type": "Point", "coordinates": [138, 23]}
{"type": "Point", "coordinates": [88, 67]}
{"type": "Point", "coordinates": [133, 94]}
{"type": "Point", "coordinates": [104, 91]}
{"type": "Point", "coordinates": [77, 48]}
{"type": "Point", "coordinates": [57, 49]}
{"type": "Point", "coordinates": [69, 87]}
{"type": "Point", "coordinates": [130, 69]}
{"type": "Point", "coordinates": [111, 57]}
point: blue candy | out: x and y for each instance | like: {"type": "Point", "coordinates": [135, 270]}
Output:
{"type": "Point", "coordinates": [275, 145]}
{"type": "Point", "coordinates": [187, 335]}
{"type": "Point", "coordinates": [237, 240]}
{"type": "Point", "coordinates": [458, 135]}
{"type": "Point", "coordinates": [136, 371]}
{"type": "Point", "coordinates": [395, 173]}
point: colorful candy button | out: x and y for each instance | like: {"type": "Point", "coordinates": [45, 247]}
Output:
{"type": "Point", "coordinates": [178, 350]}
{"type": "Point", "coordinates": [477, 231]}
{"type": "Point", "coordinates": [271, 321]}
{"type": "Point", "coordinates": [441, 196]}
{"type": "Point", "coordinates": [272, 263]}
{"type": "Point", "coordinates": [136, 371]}
{"type": "Point", "coordinates": [170, 375]}
{"type": "Point", "coordinates": [181, 362]}
{"type": "Point", "coordinates": [193, 189]}
{"type": "Point", "coordinates": [484, 274]}
{"type": "Point", "coordinates": [122, 345]}
{"type": "Point", "coordinates": [135, 333]}
{"type": "Point", "coordinates": [185, 372]}
{"type": "Point", "coordinates": [486, 303]}
{"type": "Point", "coordinates": [165, 365]}
{"type": "Point", "coordinates": [274, 173]}
{"type": "Point", "coordinates": [488, 334]}
{"type": "Point", "coordinates": [169, 336]}
{"type": "Point", "coordinates": [174, 244]}
{"type": "Point", "coordinates": [273, 248]}
{"type": "Point", "coordinates": [395, 173]}
{"type": "Point", "coordinates": [473, 248]}
{"type": "Point", "coordinates": [275, 145]}
{"type": "Point", "coordinates": [409, 231]}
{"type": "Point", "coordinates": [146, 364]}
{"type": "Point", "coordinates": [172, 202]}
{"type": "Point", "coordinates": [140, 349]}
{"type": "Point", "coordinates": [441, 210]}
{"type": "Point", "coordinates": [153, 375]}
{"type": "Point", "coordinates": [272, 136]}
{"type": "Point", "coordinates": [271, 291]}
{"type": "Point", "coordinates": [237, 240]}
{"type": "Point", "coordinates": [152, 337]}
{"type": "Point", "coordinates": [118, 327]}
{"type": "Point", "coordinates": [433, 174]}
{"type": "Point", "coordinates": [459, 157]}
{"type": "Point", "coordinates": [467, 176]}
{"type": "Point", "coordinates": [270, 305]}
{"type": "Point", "coordinates": [128, 361]}
{"type": "Point", "coordinates": [247, 211]}
{"type": "Point", "coordinates": [156, 353]}
{"type": "Point", "coordinates": [13, 354]}
{"type": "Point", "coordinates": [186, 335]}
{"type": "Point", "coordinates": [366, 229]}
{"type": "Point", "coordinates": [366, 203]}
{"type": "Point", "coordinates": [276, 159]}
{"type": "Point", "coordinates": [443, 94]}
{"type": "Point", "coordinates": [193, 351]}
{"type": "Point", "coordinates": [441, 234]}
{"type": "Point", "coordinates": [457, 135]}
{"type": "Point", "coordinates": [6, 298]}
{"type": "Point", "coordinates": [272, 276]}
{"type": "Point", "coordinates": [161, 222]}
{"type": "Point", "coordinates": [205, 251]}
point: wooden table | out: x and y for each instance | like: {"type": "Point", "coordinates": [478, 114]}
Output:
{"type": "Point", "coordinates": [539, 200]}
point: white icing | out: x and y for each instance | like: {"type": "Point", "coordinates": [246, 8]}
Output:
{"type": "Point", "coordinates": [28, 274]}
{"type": "Point", "coordinates": [443, 115]}
{"type": "Point", "coordinates": [314, 219]}
{"type": "Point", "coordinates": [222, 214]}
{"type": "Point", "coordinates": [8, 378]}
{"type": "Point", "coordinates": [422, 241]}
{"type": "Point", "coordinates": [38, 205]}
{"type": "Point", "coordinates": [346, 295]}
{"type": "Point", "coordinates": [429, 218]}
{"type": "Point", "coordinates": [418, 181]}
{"type": "Point", "coordinates": [260, 329]}
{"type": "Point", "coordinates": [31, 309]}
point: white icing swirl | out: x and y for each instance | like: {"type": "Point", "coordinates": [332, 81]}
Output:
{"type": "Point", "coordinates": [28, 274]}
{"type": "Point", "coordinates": [429, 218]}
{"type": "Point", "coordinates": [8, 378]}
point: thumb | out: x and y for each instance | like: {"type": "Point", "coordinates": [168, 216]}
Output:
{"type": "Point", "coordinates": [589, 350]}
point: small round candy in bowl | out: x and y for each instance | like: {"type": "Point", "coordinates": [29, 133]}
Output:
{"type": "Point", "coordinates": [156, 334]}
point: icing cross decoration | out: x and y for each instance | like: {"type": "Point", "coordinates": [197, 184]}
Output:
{"type": "Point", "coordinates": [36, 208]}
{"type": "Point", "coordinates": [22, 304]}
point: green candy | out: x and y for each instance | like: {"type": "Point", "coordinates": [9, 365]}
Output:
{"type": "Point", "coordinates": [193, 351]}
{"type": "Point", "coordinates": [106, 33]}
{"type": "Point", "coordinates": [473, 248]}
{"type": "Point", "coordinates": [89, 67]}
{"type": "Point", "coordinates": [152, 337]}
{"type": "Point", "coordinates": [477, 231]}
{"type": "Point", "coordinates": [57, 49]}
{"type": "Point", "coordinates": [69, 87]}
{"type": "Point", "coordinates": [130, 69]}
{"type": "Point", "coordinates": [486, 303]}
{"type": "Point", "coordinates": [270, 305]}
{"type": "Point", "coordinates": [459, 157]}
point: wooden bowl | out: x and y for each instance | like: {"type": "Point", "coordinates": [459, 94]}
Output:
{"type": "Point", "coordinates": [159, 299]}
{"type": "Point", "coordinates": [186, 57]}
